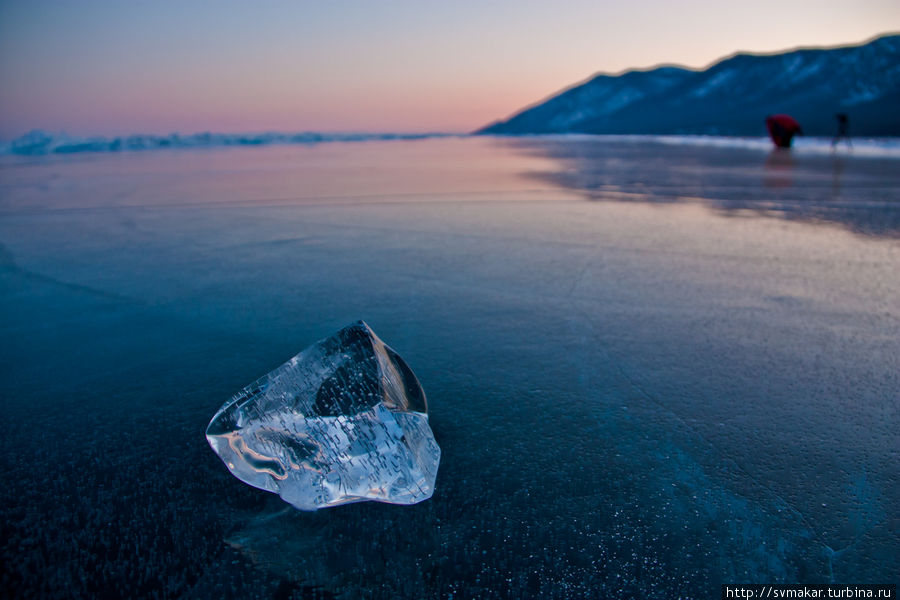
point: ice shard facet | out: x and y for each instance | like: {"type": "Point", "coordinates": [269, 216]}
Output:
{"type": "Point", "coordinates": [343, 421]}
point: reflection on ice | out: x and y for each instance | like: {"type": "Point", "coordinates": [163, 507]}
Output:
{"type": "Point", "coordinates": [842, 187]}
{"type": "Point", "coordinates": [343, 421]}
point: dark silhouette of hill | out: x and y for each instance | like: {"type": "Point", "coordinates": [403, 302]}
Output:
{"type": "Point", "coordinates": [733, 96]}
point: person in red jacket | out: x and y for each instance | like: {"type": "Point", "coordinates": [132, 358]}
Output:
{"type": "Point", "coordinates": [782, 129]}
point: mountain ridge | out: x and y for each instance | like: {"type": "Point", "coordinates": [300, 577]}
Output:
{"type": "Point", "coordinates": [731, 96]}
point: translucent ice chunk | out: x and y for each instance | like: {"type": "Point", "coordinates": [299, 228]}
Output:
{"type": "Point", "coordinates": [343, 421]}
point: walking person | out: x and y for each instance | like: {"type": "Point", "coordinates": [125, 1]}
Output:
{"type": "Point", "coordinates": [843, 130]}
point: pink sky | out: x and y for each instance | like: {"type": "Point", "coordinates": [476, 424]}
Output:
{"type": "Point", "coordinates": [102, 67]}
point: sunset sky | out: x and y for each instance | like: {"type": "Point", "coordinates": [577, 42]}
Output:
{"type": "Point", "coordinates": [111, 67]}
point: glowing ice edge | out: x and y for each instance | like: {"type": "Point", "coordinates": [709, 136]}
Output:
{"type": "Point", "coordinates": [888, 147]}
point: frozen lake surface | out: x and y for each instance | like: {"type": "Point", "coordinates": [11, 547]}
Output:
{"type": "Point", "coordinates": [651, 368]}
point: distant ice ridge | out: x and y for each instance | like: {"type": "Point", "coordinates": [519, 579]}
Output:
{"type": "Point", "coordinates": [39, 142]}
{"type": "Point", "coordinates": [343, 421]}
